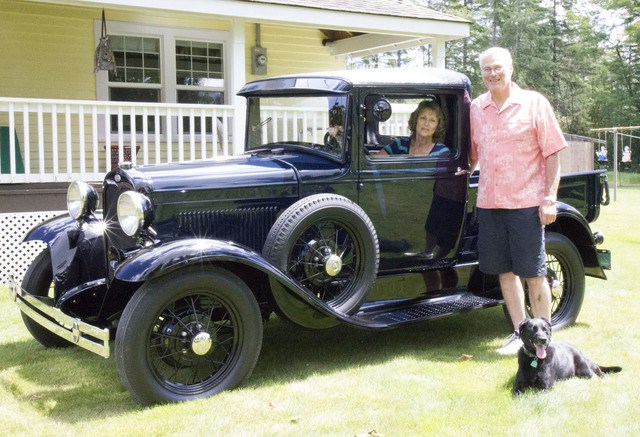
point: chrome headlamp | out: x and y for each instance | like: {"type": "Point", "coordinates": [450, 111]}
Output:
{"type": "Point", "coordinates": [134, 212]}
{"type": "Point", "coordinates": [82, 200]}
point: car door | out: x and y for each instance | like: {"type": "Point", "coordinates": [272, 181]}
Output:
{"type": "Point", "coordinates": [416, 203]}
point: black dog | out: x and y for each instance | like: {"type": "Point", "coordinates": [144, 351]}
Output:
{"type": "Point", "coordinates": [541, 363]}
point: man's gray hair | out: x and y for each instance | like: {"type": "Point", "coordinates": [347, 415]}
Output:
{"type": "Point", "coordinates": [497, 51]}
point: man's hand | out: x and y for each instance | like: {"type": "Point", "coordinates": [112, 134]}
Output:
{"type": "Point", "coordinates": [547, 212]}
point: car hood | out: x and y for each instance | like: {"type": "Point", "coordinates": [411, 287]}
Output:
{"type": "Point", "coordinates": [232, 172]}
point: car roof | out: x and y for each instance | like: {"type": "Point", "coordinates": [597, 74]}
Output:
{"type": "Point", "coordinates": [344, 80]}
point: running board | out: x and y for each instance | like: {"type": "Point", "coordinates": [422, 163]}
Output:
{"type": "Point", "coordinates": [427, 309]}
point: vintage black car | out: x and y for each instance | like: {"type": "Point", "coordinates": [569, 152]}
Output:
{"type": "Point", "coordinates": [178, 271]}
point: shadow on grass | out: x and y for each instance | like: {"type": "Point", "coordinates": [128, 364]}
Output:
{"type": "Point", "coordinates": [71, 384]}
{"type": "Point", "coordinates": [289, 353]}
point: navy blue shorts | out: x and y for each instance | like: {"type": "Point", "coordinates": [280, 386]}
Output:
{"type": "Point", "coordinates": [511, 240]}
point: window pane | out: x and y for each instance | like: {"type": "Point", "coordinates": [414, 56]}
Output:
{"type": "Point", "coordinates": [200, 64]}
{"type": "Point", "coordinates": [151, 45]}
{"type": "Point", "coordinates": [137, 59]}
{"type": "Point", "coordinates": [117, 42]}
{"type": "Point", "coordinates": [133, 60]}
{"type": "Point", "coordinates": [204, 97]}
{"type": "Point", "coordinates": [151, 61]}
{"type": "Point", "coordinates": [132, 95]}
{"type": "Point", "coordinates": [197, 62]}
{"type": "Point", "coordinates": [183, 78]}
{"type": "Point", "coordinates": [199, 48]}
{"type": "Point", "coordinates": [183, 62]}
{"type": "Point", "coordinates": [133, 43]}
{"type": "Point", "coordinates": [183, 48]}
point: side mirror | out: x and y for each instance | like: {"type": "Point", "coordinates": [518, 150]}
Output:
{"type": "Point", "coordinates": [381, 110]}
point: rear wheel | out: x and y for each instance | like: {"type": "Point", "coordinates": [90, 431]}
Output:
{"type": "Point", "coordinates": [565, 275]}
{"type": "Point", "coordinates": [188, 336]}
{"type": "Point", "coordinates": [38, 281]}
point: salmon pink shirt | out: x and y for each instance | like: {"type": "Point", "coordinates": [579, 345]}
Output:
{"type": "Point", "coordinates": [511, 145]}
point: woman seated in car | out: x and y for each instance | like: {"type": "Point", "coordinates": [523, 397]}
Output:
{"type": "Point", "coordinates": [427, 127]}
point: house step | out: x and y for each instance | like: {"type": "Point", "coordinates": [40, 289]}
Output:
{"type": "Point", "coordinates": [423, 310]}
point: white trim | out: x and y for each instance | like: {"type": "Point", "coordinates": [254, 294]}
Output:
{"type": "Point", "coordinates": [167, 36]}
{"type": "Point", "coordinates": [235, 71]}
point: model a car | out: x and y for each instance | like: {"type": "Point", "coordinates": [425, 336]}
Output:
{"type": "Point", "coordinates": [177, 272]}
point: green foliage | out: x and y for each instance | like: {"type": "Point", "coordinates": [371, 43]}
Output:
{"type": "Point", "coordinates": [569, 50]}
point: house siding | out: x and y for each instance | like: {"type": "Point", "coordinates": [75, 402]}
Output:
{"type": "Point", "coordinates": [291, 50]}
{"type": "Point", "coordinates": [48, 50]}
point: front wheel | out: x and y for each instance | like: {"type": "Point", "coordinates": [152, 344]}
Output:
{"type": "Point", "coordinates": [38, 281]}
{"type": "Point", "coordinates": [188, 336]}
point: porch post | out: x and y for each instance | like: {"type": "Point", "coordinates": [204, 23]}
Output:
{"type": "Point", "coordinates": [438, 53]}
{"type": "Point", "coordinates": [237, 78]}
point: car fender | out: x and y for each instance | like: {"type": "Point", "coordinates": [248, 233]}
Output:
{"type": "Point", "coordinates": [570, 223]}
{"type": "Point", "coordinates": [76, 248]}
{"type": "Point", "coordinates": [156, 261]}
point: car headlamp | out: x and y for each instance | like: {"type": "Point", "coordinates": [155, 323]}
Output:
{"type": "Point", "coordinates": [82, 200]}
{"type": "Point", "coordinates": [134, 212]}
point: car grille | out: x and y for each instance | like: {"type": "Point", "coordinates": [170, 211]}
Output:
{"type": "Point", "coordinates": [248, 226]}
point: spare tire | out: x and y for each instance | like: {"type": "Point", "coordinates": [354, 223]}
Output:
{"type": "Point", "coordinates": [328, 244]}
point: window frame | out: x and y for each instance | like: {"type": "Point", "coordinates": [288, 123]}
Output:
{"type": "Point", "coordinates": [453, 126]}
{"type": "Point", "coordinates": [168, 36]}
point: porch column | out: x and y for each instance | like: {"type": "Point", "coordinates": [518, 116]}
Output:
{"type": "Point", "coordinates": [237, 78]}
{"type": "Point", "coordinates": [438, 53]}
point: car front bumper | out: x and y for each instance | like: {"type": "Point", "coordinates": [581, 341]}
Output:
{"type": "Point", "coordinates": [72, 329]}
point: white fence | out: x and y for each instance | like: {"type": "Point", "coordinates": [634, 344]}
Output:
{"type": "Point", "coordinates": [64, 140]}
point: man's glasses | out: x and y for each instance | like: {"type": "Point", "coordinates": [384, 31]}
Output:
{"type": "Point", "coordinates": [488, 70]}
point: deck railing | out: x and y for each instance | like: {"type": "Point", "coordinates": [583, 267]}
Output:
{"type": "Point", "coordinates": [44, 140]}
{"type": "Point", "coordinates": [47, 140]}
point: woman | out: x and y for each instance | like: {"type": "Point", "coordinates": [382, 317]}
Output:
{"type": "Point", "coordinates": [427, 127]}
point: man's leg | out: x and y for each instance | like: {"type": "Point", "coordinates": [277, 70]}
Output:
{"type": "Point", "coordinates": [513, 295]}
{"type": "Point", "coordinates": [539, 297]}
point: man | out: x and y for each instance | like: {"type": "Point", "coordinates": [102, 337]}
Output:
{"type": "Point", "coordinates": [515, 138]}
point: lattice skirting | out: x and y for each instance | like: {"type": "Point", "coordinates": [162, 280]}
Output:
{"type": "Point", "coordinates": [15, 257]}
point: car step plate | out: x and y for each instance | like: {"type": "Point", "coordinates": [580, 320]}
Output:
{"type": "Point", "coordinates": [426, 309]}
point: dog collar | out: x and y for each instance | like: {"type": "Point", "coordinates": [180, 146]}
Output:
{"type": "Point", "coordinates": [534, 362]}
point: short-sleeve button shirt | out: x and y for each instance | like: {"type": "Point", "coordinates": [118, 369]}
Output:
{"type": "Point", "coordinates": [511, 145]}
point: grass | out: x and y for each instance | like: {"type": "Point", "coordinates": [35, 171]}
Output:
{"type": "Point", "coordinates": [416, 380]}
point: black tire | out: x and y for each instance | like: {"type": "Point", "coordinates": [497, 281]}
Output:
{"type": "Point", "coordinates": [188, 336]}
{"type": "Point", "coordinates": [38, 281]}
{"type": "Point", "coordinates": [329, 245]}
{"type": "Point", "coordinates": [565, 274]}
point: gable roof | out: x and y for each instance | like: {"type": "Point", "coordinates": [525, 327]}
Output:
{"type": "Point", "coordinates": [398, 8]}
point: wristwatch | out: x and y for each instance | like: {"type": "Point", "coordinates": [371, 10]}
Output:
{"type": "Point", "coordinates": [550, 199]}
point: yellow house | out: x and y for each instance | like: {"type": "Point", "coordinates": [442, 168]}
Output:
{"type": "Point", "coordinates": [172, 96]}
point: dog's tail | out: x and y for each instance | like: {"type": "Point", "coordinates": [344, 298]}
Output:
{"type": "Point", "coordinates": [611, 369]}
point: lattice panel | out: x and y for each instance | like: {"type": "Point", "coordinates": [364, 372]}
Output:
{"type": "Point", "coordinates": [15, 257]}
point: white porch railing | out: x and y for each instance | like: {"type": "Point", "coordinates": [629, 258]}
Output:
{"type": "Point", "coordinates": [63, 140]}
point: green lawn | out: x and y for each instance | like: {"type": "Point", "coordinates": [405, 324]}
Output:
{"type": "Point", "coordinates": [437, 378]}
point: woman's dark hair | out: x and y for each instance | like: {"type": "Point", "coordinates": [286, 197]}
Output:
{"type": "Point", "coordinates": [438, 135]}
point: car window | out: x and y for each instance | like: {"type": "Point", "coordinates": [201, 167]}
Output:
{"type": "Point", "coordinates": [313, 122]}
{"type": "Point", "coordinates": [415, 127]}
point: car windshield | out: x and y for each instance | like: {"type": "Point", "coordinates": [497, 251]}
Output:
{"type": "Point", "coordinates": [314, 122]}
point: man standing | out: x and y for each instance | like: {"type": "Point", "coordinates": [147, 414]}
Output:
{"type": "Point", "coordinates": [515, 138]}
